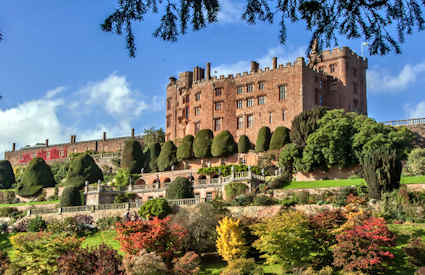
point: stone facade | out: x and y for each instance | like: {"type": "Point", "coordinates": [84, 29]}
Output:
{"type": "Point", "coordinates": [60, 152]}
{"type": "Point", "coordinates": [272, 97]}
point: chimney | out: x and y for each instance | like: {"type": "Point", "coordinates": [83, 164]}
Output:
{"type": "Point", "coordinates": [13, 147]}
{"type": "Point", "coordinates": [254, 67]}
{"type": "Point", "coordinates": [274, 62]}
{"type": "Point", "coordinates": [208, 71]}
{"type": "Point", "coordinates": [104, 136]}
{"type": "Point", "coordinates": [195, 74]}
{"type": "Point", "coordinates": [47, 143]}
{"type": "Point", "coordinates": [75, 139]}
{"type": "Point", "coordinates": [96, 146]}
{"type": "Point", "coordinates": [72, 140]}
{"type": "Point", "coordinates": [132, 132]}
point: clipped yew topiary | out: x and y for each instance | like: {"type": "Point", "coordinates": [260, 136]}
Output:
{"type": "Point", "coordinates": [7, 177]}
{"type": "Point", "coordinates": [37, 175]}
{"type": "Point", "coordinates": [180, 188]}
{"type": "Point", "coordinates": [151, 157]}
{"type": "Point", "coordinates": [280, 138]}
{"type": "Point", "coordinates": [263, 139]}
{"type": "Point", "coordinates": [167, 157]}
{"type": "Point", "coordinates": [244, 144]}
{"type": "Point", "coordinates": [132, 156]}
{"type": "Point", "coordinates": [202, 143]}
{"type": "Point", "coordinates": [223, 145]}
{"type": "Point", "coordinates": [84, 168]}
{"type": "Point", "coordinates": [70, 196]}
{"type": "Point", "coordinates": [185, 150]}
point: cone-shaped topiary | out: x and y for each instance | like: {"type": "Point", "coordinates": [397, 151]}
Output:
{"type": "Point", "coordinates": [202, 143]}
{"type": "Point", "coordinates": [132, 156]}
{"type": "Point", "coordinates": [151, 156]}
{"type": "Point", "coordinates": [70, 196]}
{"type": "Point", "coordinates": [244, 144]}
{"type": "Point", "coordinates": [7, 177]}
{"type": "Point", "coordinates": [84, 167]}
{"type": "Point", "coordinates": [223, 144]}
{"type": "Point", "coordinates": [304, 124]}
{"type": "Point", "coordinates": [279, 138]}
{"type": "Point", "coordinates": [185, 150]}
{"type": "Point", "coordinates": [180, 188]}
{"type": "Point", "coordinates": [36, 176]}
{"type": "Point", "coordinates": [167, 157]}
{"type": "Point", "coordinates": [263, 139]}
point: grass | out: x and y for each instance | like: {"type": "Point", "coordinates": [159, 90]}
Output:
{"type": "Point", "coordinates": [107, 237]}
{"type": "Point", "coordinates": [28, 203]}
{"type": "Point", "coordinates": [346, 182]}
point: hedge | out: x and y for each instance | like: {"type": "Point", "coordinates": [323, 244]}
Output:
{"type": "Point", "coordinates": [263, 139]}
{"type": "Point", "coordinates": [7, 177]}
{"type": "Point", "coordinates": [279, 138]}
{"type": "Point", "coordinates": [132, 156]}
{"type": "Point", "coordinates": [223, 145]}
{"type": "Point", "coordinates": [202, 143]}
{"type": "Point", "coordinates": [37, 175]}
{"type": "Point", "coordinates": [180, 188]}
{"type": "Point", "coordinates": [244, 144]}
{"type": "Point", "coordinates": [151, 156]}
{"type": "Point", "coordinates": [84, 167]}
{"type": "Point", "coordinates": [70, 196]}
{"type": "Point", "coordinates": [185, 150]}
{"type": "Point", "coordinates": [167, 157]}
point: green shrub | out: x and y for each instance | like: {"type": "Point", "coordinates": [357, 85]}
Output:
{"type": "Point", "coordinates": [279, 182]}
{"type": "Point", "coordinates": [262, 200]}
{"type": "Point", "coordinates": [7, 177]}
{"type": "Point", "coordinates": [151, 156]}
{"type": "Point", "coordinates": [415, 251]}
{"type": "Point", "coordinates": [280, 138]}
{"type": "Point", "coordinates": [263, 139]}
{"type": "Point", "coordinates": [382, 171]}
{"type": "Point", "coordinates": [4, 262]}
{"type": "Point", "coordinates": [167, 157]}
{"type": "Point", "coordinates": [289, 201]}
{"type": "Point", "coordinates": [125, 197]}
{"type": "Point", "coordinates": [202, 143]}
{"type": "Point", "coordinates": [60, 170]}
{"type": "Point", "coordinates": [84, 167]}
{"type": "Point", "coordinates": [37, 175]}
{"type": "Point", "coordinates": [242, 267]}
{"type": "Point", "coordinates": [155, 208]}
{"type": "Point", "coordinates": [185, 150]}
{"type": "Point", "coordinates": [70, 196]}
{"type": "Point", "coordinates": [223, 145]}
{"type": "Point", "coordinates": [235, 189]}
{"type": "Point", "coordinates": [36, 224]}
{"type": "Point", "coordinates": [416, 162]}
{"type": "Point", "coordinates": [244, 144]}
{"type": "Point", "coordinates": [107, 223]}
{"type": "Point", "coordinates": [180, 188]}
{"type": "Point", "coordinates": [243, 200]}
{"type": "Point", "coordinates": [304, 124]}
{"type": "Point", "coordinates": [11, 212]}
{"type": "Point", "coordinates": [132, 156]}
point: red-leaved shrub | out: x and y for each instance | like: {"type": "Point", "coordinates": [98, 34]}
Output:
{"type": "Point", "coordinates": [365, 247]}
{"type": "Point", "coordinates": [156, 235]}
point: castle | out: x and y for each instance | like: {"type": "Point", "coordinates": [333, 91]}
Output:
{"type": "Point", "coordinates": [243, 103]}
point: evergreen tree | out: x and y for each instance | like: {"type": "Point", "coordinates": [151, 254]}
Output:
{"type": "Point", "coordinates": [202, 143]}
{"type": "Point", "coordinates": [132, 156]}
{"type": "Point", "coordinates": [7, 177]}
{"type": "Point", "coordinates": [84, 168]}
{"type": "Point", "coordinates": [37, 175]}
{"type": "Point", "coordinates": [167, 157]}
{"type": "Point", "coordinates": [185, 150]}
{"type": "Point", "coordinates": [244, 144]}
{"type": "Point", "coordinates": [263, 139]}
{"type": "Point", "coordinates": [280, 138]}
{"type": "Point", "coordinates": [223, 145]}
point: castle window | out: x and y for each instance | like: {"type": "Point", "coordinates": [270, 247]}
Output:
{"type": "Point", "coordinates": [217, 124]}
{"type": "Point", "coordinates": [321, 100]}
{"type": "Point", "coordinates": [239, 104]}
{"type": "Point", "coordinates": [209, 196]}
{"type": "Point", "coordinates": [186, 112]}
{"type": "Point", "coordinates": [282, 92]}
{"type": "Point", "coordinates": [240, 122]}
{"type": "Point", "coordinates": [186, 99]}
{"type": "Point", "coordinates": [197, 96]}
{"type": "Point", "coordinates": [261, 100]}
{"type": "Point", "coordinates": [197, 127]}
{"type": "Point", "coordinates": [240, 90]}
{"type": "Point", "coordinates": [249, 121]}
{"type": "Point", "coordinates": [217, 106]}
{"type": "Point", "coordinates": [261, 85]}
{"type": "Point", "coordinates": [218, 91]}
{"type": "Point", "coordinates": [197, 110]}
{"type": "Point", "coordinates": [332, 68]}
{"type": "Point", "coordinates": [270, 117]}
{"type": "Point", "coordinates": [249, 102]}
{"type": "Point", "coordinates": [249, 88]}
{"type": "Point", "coordinates": [283, 114]}
{"type": "Point", "coordinates": [354, 72]}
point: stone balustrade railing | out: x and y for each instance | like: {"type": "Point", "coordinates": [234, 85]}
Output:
{"type": "Point", "coordinates": [406, 122]}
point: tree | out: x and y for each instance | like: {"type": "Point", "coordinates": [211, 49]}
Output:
{"type": "Point", "coordinates": [289, 157]}
{"type": "Point", "coordinates": [202, 143]}
{"type": "Point", "coordinates": [167, 157]}
{"type": "Point", "coordinates": [132, 156]}
{"type": "Point", "coordinates": [280, 137]}
{"type": "Point", "coordinates": [223, 145]}
{"type": "Point", "coordinates": [373, 21]}
{"type": "Point", "coordinates": [230, 243]}
{"type": "Point", "coordinates": [153, 135]}
{"type": "Point", "coordinates": [244, 144]}
{"type": "Point", "coordinates": [180, 188]}
{"type": "Point", "coordinates": [37, 175]}
{"type": "Point", "coordinates": [185, 150]}
{"type": "Point", "coordinates": [85, 168]}
{"type": "Point", "coordinates": [7, 177]}
{"type": "Point", "coordinates": [416, 162]}
{"type": "Point", "coordinates": [151, 156]}
{"type": "Point", "coordinates": [70, 196]}
{"type": "Point", "coordinates": [304, 124]}
{"type": "Point", "coordinates": [263, 139]}
{"type": "Point", "coordinates": [155, 208]}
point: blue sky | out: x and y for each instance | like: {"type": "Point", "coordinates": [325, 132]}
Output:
{"type": "Point", "coordinates": [61, 75]}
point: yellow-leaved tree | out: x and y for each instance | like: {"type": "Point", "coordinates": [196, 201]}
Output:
{"type": "Point", "coordinates": [230, 243]}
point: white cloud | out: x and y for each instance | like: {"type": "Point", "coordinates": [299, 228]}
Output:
{"type": "Point", "coordinates": [283, 56]}
{"type": "Point", "coordinates": [417, 111]}
{"type": "Point", "coordinates": [52, 93]}
{"type": "Point", "coordinates": [230, 11]}
{"type": "Point", "coordinates": [380, 81]}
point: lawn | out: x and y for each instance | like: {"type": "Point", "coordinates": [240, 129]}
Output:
{"type": "Point", "coordinates": [29, 203]}
{"type": "Point", "coordinates": [107, 237]}
{"type": "Point", "coordinates": [346, 182]}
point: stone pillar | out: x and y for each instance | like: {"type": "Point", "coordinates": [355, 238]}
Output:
{"type": "Point", "coordinates": [274, 62]}
{"type": "Point", "coordinates": [98, 186]}
{"type": "Point", "coordinates": [86, 187]}
{"type": "Point", "coordinates": [208, 71]}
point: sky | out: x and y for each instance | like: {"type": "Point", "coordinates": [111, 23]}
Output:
{"type": "Point", "coordinates": [61, 75]}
